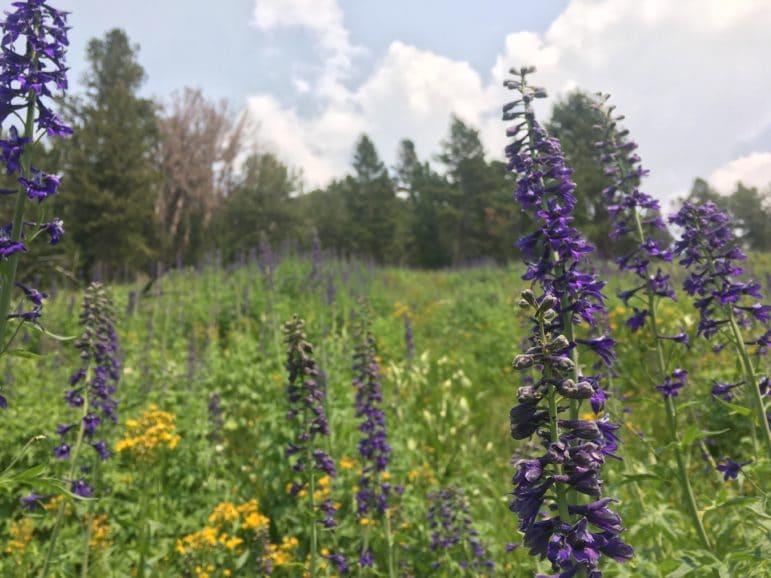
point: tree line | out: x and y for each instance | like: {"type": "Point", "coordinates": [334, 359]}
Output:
{"type": "Point", "coordinates": [145, 182]}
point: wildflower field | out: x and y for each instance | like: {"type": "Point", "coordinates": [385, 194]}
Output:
{"type": "Point", "coordinates": [300, 413]}
{"type": "Point", "coordinates": [199, 485]}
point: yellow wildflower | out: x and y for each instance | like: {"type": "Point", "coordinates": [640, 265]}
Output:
{"type": "Point", "coordinates": [100, 532]}
{"type": "Point", "coordinates": [154, 429]}
{"type": "Point", "coordinates": [347, 463]}
{"type": "Point", "coordinates": [21, 535]}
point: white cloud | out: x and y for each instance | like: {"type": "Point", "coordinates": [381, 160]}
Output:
{"type": "Point", "coordinates": [753, 170]}
{"type": "Point", "coordinates": [325, 19]}
{"type": "Point", "coordinates": [411, 94]}
{"type": "Point", "coordinates": [685, 74]}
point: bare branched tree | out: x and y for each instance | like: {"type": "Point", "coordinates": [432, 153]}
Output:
{"type": "Point", "coordinates": [199, 143]}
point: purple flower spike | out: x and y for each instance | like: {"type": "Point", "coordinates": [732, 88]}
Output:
{"type": "Point", "coordinates": [568, 295]}
{"type": "Point", "coordinates": [373, 446]}
{"type": "Point", "coordinates": [98, 376]}
{"type": "Point", "coordinates": [708, 248]}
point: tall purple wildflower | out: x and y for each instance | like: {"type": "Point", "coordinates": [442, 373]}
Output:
{"type": "Point", "coordinates": [452, 530]}
{"type": "Point", "coordinates": [32, 71]}
{"type": "Point", "coordinates": [266, 260]}
{"type": "Point", "coordinates": [93, 386]}
{"type": "Point", "coordinates": [637, 215]}
{"type": "Point", "coordinates": [306, 392]}
{"type": "Point", "coordinates": [709, 250]}
{"type": "Point", "coordinates": [409, 337]}
{"type": "Point", "coordinates": [570, 295]}
{"type": "Point", "coordinates": [373, 446]}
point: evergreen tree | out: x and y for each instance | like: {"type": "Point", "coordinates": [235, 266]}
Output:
{"type": "Point", "coordinates": [472, 185]}
{"type": "Point", "coordinates": [108, 195]}
{"type": "Point", "coordinates": [260, 203]}
{"type": "Point", "coordinates": [371, 205]}
{"type": "Point", "coordinates": [750, 211]}
{"type": "Point", "coordinates": [426, 193]}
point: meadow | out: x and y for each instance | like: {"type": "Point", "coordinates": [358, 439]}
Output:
{"type": "Point", "coordinates": [309, 413]}
{"type": "Point", "coordinates": [205, 347]}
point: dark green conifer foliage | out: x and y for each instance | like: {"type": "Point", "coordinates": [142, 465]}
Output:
{"type": "Point", "coordinates": [111, 182]}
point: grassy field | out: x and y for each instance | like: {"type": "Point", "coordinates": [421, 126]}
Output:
{"type": "Point", "coordinates": [204, 491]}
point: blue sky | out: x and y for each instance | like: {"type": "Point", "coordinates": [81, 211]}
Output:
{"type": "Point", "coordinates": [311, 75]}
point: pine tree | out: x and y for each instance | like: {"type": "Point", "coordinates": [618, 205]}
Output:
{"type": "Point", "coordinates": [111, 182]}
{"type": "Point", "coordinates": [372, 205]}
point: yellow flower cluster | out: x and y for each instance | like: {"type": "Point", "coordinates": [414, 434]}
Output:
{"type": "Point", "coordinates": [154, 429]}
{"type": "Point", "coordinates": [347, 463]}
{"type": "Point", "coordinates": [214, 538]}
{"type": "Point", "coordinates": [280, 554]}
{"type": "Point", "coordinates": [245, 516]}
{"type": "Point", "coordinates": [423, 473]}
{"type": "Point", "coordinates": [100, 533]}
{"type": "Point", "coordinates": [21, 535]}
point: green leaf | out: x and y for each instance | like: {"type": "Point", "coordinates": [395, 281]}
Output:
{"type": "Point", "coordinates": [740, 409]}
{"type": "Point", "coordinates": [23, 353]}
{"type": "Point", "coordinates": [242, 559]}
{"type": "Point", "coordinates": [693, 433]}
{"type": "Point", "coordinates": [45, 331]}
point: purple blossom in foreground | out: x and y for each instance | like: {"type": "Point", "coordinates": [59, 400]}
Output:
{"type": "Point", "coordinates": [32, 500]}
{"type": "Point", "coordinates": [95, 383]}
{"type": "Point", "coordinates": [730, 468]}
{"type": "Point", "coordinates": [33, 41]}
{"type": "Point", "coordinates": [373, 445]}
{"type": "Point", "coordinates": [452, 531]}
{"type": "Point", "coordinates": [574, 450]}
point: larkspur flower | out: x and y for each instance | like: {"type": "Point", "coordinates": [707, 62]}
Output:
{"type": "Point", "coordinates": [570, 295]}
{"type": "Point", "coordinates": [453, 536]}
{"type": "Point", "coordinates": [638, 215]}
{"type": "Point", "coordinates": [306, 393]}
{"type": "Point", "coordinates": [709, 250]}
{"type": "Point", "coordinates": [373, 445]}
{"type": "Point", "coordinates": [635, 214]}
{"type": "Point", "coordinates": [730, 469]}
{"type": "Point", "coordinates": [33, 41]}
{"type": "Point", "coordinates": [95, 383]}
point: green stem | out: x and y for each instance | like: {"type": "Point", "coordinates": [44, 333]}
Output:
{"type": "Point", "coordinates": [8, 270]}
{"type": "Point", "coordinates": [671, 411]}
{"type": "Point", "coordinates": [314, 537]}
{"type": "Point", "coordinates": [70, 477]}
{"type": "Point", "coordinates": [562, 502]}
{"type": "Point", "coordinates": [752, 380]}
{"type": "Point", "coordinates": [389, 539]}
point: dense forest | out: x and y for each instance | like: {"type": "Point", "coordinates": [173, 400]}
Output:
{"type": "Point", "coordinates": [147, 183]}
